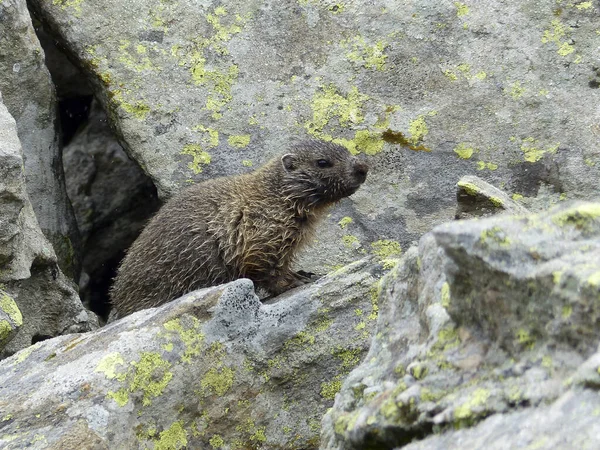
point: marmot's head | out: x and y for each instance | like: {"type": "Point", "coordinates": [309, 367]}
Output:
{"type": "Point", "coordinates": [321, 172]}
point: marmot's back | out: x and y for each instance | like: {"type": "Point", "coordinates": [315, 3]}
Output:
{"type": "Point", "coordinates": [249, 226]}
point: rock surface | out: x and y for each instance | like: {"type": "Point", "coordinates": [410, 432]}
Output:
{"type": "Point", "coordinates": [29, 272]}
{"type": "Point", "coordinates": [476, 198]}
{"type": "Point", "coordinates": [214, 369]}
{"type": "Point", "coordinates": [29, 95]}
{"type": "Point", "coordinates": [433, 91]}
{"type": "Point", "coordinates": [490, 317]}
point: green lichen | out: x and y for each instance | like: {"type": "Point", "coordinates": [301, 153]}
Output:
{"type": "Point", "coordinates": [365, 141]}
{"type": "Point", "coordinates": [594, 279]}
{"type": "Point", "coordinates": [461, 9]}
{"type": "Point", "coordinates": [259, 435]}
{"type": "Point", "coordinates": [464, 150]}
{"type": "Point", "coordinates": [515, 90]}
{"type": "Point", "coordinates": [108, 366]}
{"type": "Point", "coordinates": [445, 295]}
{"type": "Point", "coordinates": [239, 141]}
{"type": "Point", "coordinates": [533, 152]}
{"type": "Point", "coordinates": [517, 197]}
{"type": "Point", "coordinates": [344, 222]}
{"type": "Point", "coordinates": [349, 357]}
{"type": "Point", "coordinates": [469, 188]}
{"type": "Point", "coordinates": [582, 217]}
{"type": "Point", "coordinates": [10, 308]}
{"type": "Point", "coordinates": [134, 59]}
{"type": "Point", "coordinates": [567, 310]}
{"type": "Point", "coordinates": [25, 353]}
{"type": "Point", "coordinates": [365, 55]}
{"type": "Point", "coordinates": [350, 241]}
{"type": "Point", "coordinates": [173, 438]}
{"type": "Point", "coordinates": [558, 34]}
{"type": "Point", "coordinates": [388, 252]}
{"type": "Point", "coordinates": [216, 441]}
{"type": "Point", "coordinates": [247, 163]}
{"type": "Point", "coordinates": [150, 376]}
{"type": "Point", "coordinates": [328, 103]}
{"type": "Point", "coordinates": [218, 381]}
{"type": "Point", "coordinates": [220, 77]}
{"type": "Point", "coordinates": [190, 335]}
{"type": "Point", "coordinates": [494, 235]}
{"type": "Point", "coordinates": [64, 4]}
{"type": "Point", "coordinates": [418, 129]}
{"type": "Point", "coordinates": [524, 338]}
{"type": "Point", "coordinates": [6, 330]}
{"type": "Point", "coordinates": [200, 157]}
{"type": "Point", "coordinates": [448, 73]}
{"type": "Point", "coordinates": [329, 389]}
{"type": "Point", "coordinates": [481, 165]}
{"type": "Point", "coordinates": [124, 99]}
{"type": "Point", "coordinates": [464, 413]}
{"type": "Point", "coordinates": [7, 417]}
{"type": "Point", "coordinates": [418, 371]}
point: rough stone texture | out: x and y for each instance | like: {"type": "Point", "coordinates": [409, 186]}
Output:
{"type": "Point", "coordinates": [29, 272]}
{"type": "Point", "coordinates": [487, 317]}
{"type": "Point", "coordinates": [214, 369]}
{"type": "Point", "coordinates": [11, 318]}
{"type": "Point", "coordinates": [112, 199]}
{"type": "Point", "coordinates": [430, 90]}
{"type": "Point", "coordinates": [30, 98]}
{"type": "Point", "coordinates": [476, 198]}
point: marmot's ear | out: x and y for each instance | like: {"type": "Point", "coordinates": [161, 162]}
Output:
{"type": "Point", "coordinates": [288, 162]}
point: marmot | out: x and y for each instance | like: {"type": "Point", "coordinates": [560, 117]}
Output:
{"type": "Point", "coordinates": [246, 226]}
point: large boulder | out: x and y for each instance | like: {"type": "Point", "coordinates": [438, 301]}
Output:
{"type": "Point", "coordinates": [214, 369]}
{"type": "Point", "coordinates": [47, 302]}
{"type": "Point", "coordinates": [490, 317]}
{"type": "Point", "coordinates": [428, 90]}
{"type": "Point", "coordinates": [29, 95]}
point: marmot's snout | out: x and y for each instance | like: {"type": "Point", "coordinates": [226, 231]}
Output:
{"type": "Point", "coordinates": [360, 171]}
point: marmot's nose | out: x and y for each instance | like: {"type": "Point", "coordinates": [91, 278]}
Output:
{"type": "Point", "coordinates": [360, 170]}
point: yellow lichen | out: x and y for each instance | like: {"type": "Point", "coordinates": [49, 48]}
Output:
{"type": "Point", "coordinates": [344, 222]}
{"type": "Point", "coordinates": [173, 438]}
{"type": "Point", "coordinates": [200, 157]}
{"type": "Point", "coordinates": [10, 308]}
{"type": "Point", "coordinates": [464, 150]}
{"type": "Point", "coordinates": [461, 9]}
{"type": "Point", "coordinates": [219, 381]}
{"type": "Point", "coordinates": [239, 141]}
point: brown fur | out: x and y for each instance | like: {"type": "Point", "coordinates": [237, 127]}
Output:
{"type": "Point", "coordinates": [248, 226]}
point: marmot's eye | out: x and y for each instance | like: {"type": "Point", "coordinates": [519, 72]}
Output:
{"type": "Point", "coordinates": [322, 163]}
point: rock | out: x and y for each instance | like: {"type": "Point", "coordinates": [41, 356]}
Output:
{"type": "Point", "coordinates": [11, 318]}
{"type": "Point", "coordinates": [30, 98]}
{"type": "Point", "coordinates": [216, 368]}
{"type": "Point", "coordinates": [29, 273]}
{"type": "Point", "coordinates": [490, 318]}
{"type": "Point", "coordinates": [112, 199]}
{"type": "Point", "coordinates": [429, 91]}
{"type": "Point", "coordinates": [476, 198]}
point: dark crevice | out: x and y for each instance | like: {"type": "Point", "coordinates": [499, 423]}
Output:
{"type": "Point", "coordinates": [111, 195]}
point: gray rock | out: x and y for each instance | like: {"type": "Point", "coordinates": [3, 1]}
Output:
{"type": "Point", "coordinates": [216, 368]}
{"type": "Point", "coordinates": [487, 317]}
{"type": "Point", "coordinates": [476, 198]}
{"type": "Point", "coordinates": [428, 90]}
{"type": "Point", "coordinates": [11, 318]}
{"type": "Point", "coordinates": [30, 98]}
{"type": "Point", "coordinates": [569, 423]}
{"type": "Point", "coordinates": [29, 273]}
